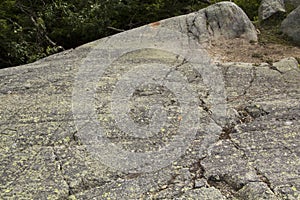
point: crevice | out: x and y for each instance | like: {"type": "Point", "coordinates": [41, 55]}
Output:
{"type": "Point", "coordinates": [184, 61]}
{"type": "Point", "coordinates": [226, 69]}
{"type": "Point", "coordinates": [208, 26]}
{"type": "Point", "coordinates": [60, 170]}
{"type": "Point", "coordinates": [198, 170]}
{"type": "Point", "coordinates": [3, 132]}
{"type": "Point", "coordinates": [272, 67]}
{"type": "Point", "coordinates": [249, 113]}
{"type": "Point", "coordinates": [86, 186]}
{"type": "Point", "coordinates": [132, 175]}
{"type": "Point", "coordinates": [238, 147]}
{"type": "Point", "coordinates": [253, 77]}
{"type": "Point", "coordinates": [226, 135]}
{"type": "Point", "coordinates": [166, 186]}
{"type": "Point", "coordinates": [190, 27]}
{"type": "Point", "coordinates": [204, 106]}
{"type": "Point", "coordinates": [243, 95]}
{"type": "Point", "coordinates": [255, 111]}
{"type": "Point", "coordinates": [244, 116]}
{"type": "Point", "coordinates": [226, 131]}
{"type": "Point", "coordinates": [264, 179]}
{"type": "Point", "coordinates": [75, 138]}
{"type": "Point", "coordinates": [221, 184]}
{"type": "Point", "coordinates": [219, 25]}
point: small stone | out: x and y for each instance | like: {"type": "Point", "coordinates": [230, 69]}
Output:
{"type": "Point", "coordinates": [200, 183]}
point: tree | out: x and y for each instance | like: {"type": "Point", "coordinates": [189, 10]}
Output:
{"type": "Point", "coordinates": [32, 29]}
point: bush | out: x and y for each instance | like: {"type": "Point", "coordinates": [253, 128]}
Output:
{"type": "Point", "coordinates": [250, 7]}
{"type": "Point", "coordinates": [30, 29]}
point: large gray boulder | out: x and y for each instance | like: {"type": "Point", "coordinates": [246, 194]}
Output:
{"type": "Point", "coordinates": [269, 8]}
{"type": "Point", "coordinates": [291, 25]}
{"type": "Point", "coordinates": [146, 114]}
{"type": "Point", "coordinates": [224, 20]}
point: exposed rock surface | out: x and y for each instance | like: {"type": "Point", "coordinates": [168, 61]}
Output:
{"type": "Point", "coordinates": [223, 20]}
{"type": "Point", "coordinates": [256, 191]}
{"type": "Point", "coordinates": [49, 144]}
{"type": "Point", "coordinates": [268, 8]}
{"type": "Point", "coordinates": [291, 25]}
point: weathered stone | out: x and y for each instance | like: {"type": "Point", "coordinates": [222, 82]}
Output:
{"type": "Point", "coordinates": [286, 65]}
{"type": "Point", "coordinates": [47, 153]}
{"type": "Point", "coordinates": [203, 193]}
{"type": "Point", "coordinates": [224, 20]}
{"type": "Point", "coordinates": [269, 8]}
{"type": "Point", "coordinates": [269, 142]}
{"type": "Point", "coordinates": [225, 165]}
{"type": "Point", "coordinates": [256, 191]}
{"type": "Point", "coordinates": [291, 25]}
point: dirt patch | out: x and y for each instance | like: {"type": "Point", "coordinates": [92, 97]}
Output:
{"type": "Point", "coordinates": [239, 50]}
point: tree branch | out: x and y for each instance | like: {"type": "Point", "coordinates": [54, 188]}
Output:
{"type": "Point", "coordinates": [40, 29]}
{"type": "Point", "coordinates": [115, 29]}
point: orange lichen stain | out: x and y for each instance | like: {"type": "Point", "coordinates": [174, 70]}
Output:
{"type": "Point", "coordinates": [155, 24]}
{"type": "Point", "coordinates": [179, 118]}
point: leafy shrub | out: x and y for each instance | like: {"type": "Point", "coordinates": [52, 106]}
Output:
{"type": "Point", "coordinates": [32, 29]}
{"type": "Point", "coordinates": [250, 7]}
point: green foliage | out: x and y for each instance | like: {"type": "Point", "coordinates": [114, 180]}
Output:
{"type": "Point", "coordinates": [21, 41]}
{"type": "Point", "coordinates": [250, 7]}
{"type": "Point", "coordinates": [32, 29]}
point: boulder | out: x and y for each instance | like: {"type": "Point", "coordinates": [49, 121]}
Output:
{"type": "Point", "coordinates": [269, 8]}
{"type": "Point", "coordinates": [291, 25]}
{"type": "Point", "coordinates": [147, 114]}
{"type": "Point", "coordinates": [224, 20]}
